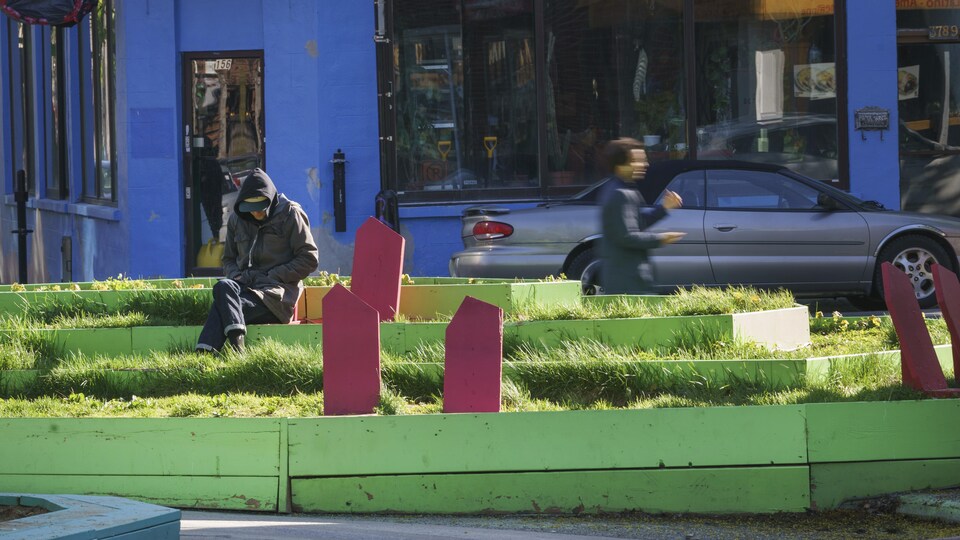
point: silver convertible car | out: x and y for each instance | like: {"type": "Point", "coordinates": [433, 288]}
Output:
{"type": "Point", "coordinates": [746, 223]}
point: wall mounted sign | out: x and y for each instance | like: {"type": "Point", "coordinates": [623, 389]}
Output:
{"type": "Point", "coordinates": [871, 119]}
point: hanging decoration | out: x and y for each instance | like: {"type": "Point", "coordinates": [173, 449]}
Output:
{"type": "Point", "coordinates": [47, 12]}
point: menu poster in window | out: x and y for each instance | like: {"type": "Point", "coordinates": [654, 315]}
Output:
{"type": "Point", "coordinates": [815, 81]}
{"type": "Point", "coordinates": [908, 82]}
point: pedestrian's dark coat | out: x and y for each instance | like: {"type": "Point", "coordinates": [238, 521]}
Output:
{"type": "Point", "coordinates": [272, 256]}
{"type": "Point", "coordinates": [624, 249]}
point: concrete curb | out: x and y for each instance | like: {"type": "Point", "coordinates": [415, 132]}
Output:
{"type": "Point", "coordinates": [943, 506]}
{"type": "Point", "coordinates": [82, 517]}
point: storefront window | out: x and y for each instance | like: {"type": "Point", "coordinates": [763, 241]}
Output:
{"type": "Point", "coordinates": [614, 69]}
{"type": "Point", "coordinates": [487, 108]}
{"type": "Point", "coordinates": [766, 83]}
{"type": "Point", "coordinates": [928, 86]}
{"type": "Point", "coordinates": [466, 106]}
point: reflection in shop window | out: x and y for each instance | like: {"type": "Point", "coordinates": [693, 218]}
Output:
{"type": "Point", "coordinates": [766, 83]}
{"type": "Point", "coordinates": [928, 88]}
{"type": "Point", "coordinates": [614, 69]}
{"type": "Point", "coordinates": [466, 106]}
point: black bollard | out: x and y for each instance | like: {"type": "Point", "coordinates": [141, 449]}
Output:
{"type": "Point", "coordinates": [20, 196]}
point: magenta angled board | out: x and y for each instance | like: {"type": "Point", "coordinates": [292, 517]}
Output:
{"type": "Point", "coordinates": [378, 267]}
{"type": "Point", "coordinates": [351, 354]}
{"type": "Point", "coordinates": [948, 296]}
{"type": "Point", "coordinates": [918, 360]}
{"type": "Point", "coordinates": [473, 358]}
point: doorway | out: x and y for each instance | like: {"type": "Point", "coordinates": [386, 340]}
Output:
{"type": "Point", "coordinates": [223, 128]}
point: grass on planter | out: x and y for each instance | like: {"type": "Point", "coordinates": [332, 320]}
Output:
{"type": "Point", "coordinates": [139, 308]}
{"type": "Point", "coordinates": [574, 375]}
{"type": "Point", "coordinates": [695, 301]}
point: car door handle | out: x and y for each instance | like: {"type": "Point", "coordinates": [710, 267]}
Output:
{"type": "Point", "coordinates": [724, 227]}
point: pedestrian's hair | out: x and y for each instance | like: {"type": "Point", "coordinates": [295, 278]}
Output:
{"type": "Point", "coordinates": [617, 152]}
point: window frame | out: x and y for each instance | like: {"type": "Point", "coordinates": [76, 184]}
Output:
{"type": "Point", "coordinates": [96, 134]}
{"type": "Point", "coordinates": [55, 115]}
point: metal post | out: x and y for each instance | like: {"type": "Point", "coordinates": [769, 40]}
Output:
{"type": "Point", "coordinates": [20, 196]}
{"type": "Point", "coordinates": [339, 191]}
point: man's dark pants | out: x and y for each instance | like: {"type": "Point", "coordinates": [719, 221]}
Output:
{"type": "Point", "coordinates": [234, 307]}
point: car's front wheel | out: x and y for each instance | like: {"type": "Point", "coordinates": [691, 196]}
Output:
{"type": "Point", "coordinates": [914, 255]}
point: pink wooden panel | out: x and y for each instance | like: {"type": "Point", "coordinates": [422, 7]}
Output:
{"type": "Point", "coordinates": [948, 296]}
{"type": "Point", "coordinates": [474, 355]}
{"type": "Point", "coordinates": [919, 364]}
{"type": "Point", "coordinates": [351, 354]}
{"type": "Point", "coordinates": [377, 267]}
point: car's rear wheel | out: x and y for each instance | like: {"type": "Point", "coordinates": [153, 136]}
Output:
{"type": "Point", "coordinates": [586, 267]}
{"type": "Point", "coordinates": [914, 255]}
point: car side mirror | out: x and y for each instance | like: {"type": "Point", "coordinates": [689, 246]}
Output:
{"type": "Point", "coordinates": [826, 202]}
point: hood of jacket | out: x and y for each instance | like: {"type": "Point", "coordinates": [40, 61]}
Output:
{"type": "Point", "coordinates": [257, 184]}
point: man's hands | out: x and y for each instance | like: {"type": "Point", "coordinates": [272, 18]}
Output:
{"type": "Point", "coordinates": [671, 200]}
{"type": "Point", "coordinates": [671, 237]}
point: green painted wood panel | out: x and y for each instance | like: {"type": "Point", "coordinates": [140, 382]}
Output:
{"type": "Point", "coordinates": [657, 331]}
{"type": "Point", "coordinates": [133, 446]}
{"type": "Point", "coordinates": [548, 293]}
{"type": "Point", "coordinates": [145, 339]}
{"type": "Point", "coordinates": [875, 431]}
{"type": "Point", "coordinates": [13, 381]}
{"type": "Point", "coordinates": [754, 490]}
{"type": "Point", "coordinates": [105, 341]}
{"type": "Point", "coordinates": [199, 492]}
{"type": "Point", "coordinates": [538, 441]}
{"type": "Point", "coordinates": [833, 483]}
{"type": "Point", "coordinates": [550, 333]}
{"type": "Point", "coordinates": [309, 335]}
{"type": "Point", "coordinates": [418, 334]}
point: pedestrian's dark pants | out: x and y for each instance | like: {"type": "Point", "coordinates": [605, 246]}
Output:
{"type": "Point", "coordinates": [234, 307]}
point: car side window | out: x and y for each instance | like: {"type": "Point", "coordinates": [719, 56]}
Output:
{"type": "Point", "coordinates": [690, 186]}
{"type": "Point", "coordinates": [729, 189]}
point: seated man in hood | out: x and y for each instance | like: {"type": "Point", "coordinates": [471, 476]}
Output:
{"type": "Point", "coordinates": [268, 251]}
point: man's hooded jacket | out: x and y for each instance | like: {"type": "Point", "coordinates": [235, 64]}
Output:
{"type": "Point", "coordinates": [273, 256]}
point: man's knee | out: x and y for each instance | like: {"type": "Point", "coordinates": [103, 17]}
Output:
{"type": "Point", "coordinates": [225, 287]}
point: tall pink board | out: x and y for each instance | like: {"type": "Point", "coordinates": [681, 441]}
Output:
{"type": "Point", "coordinates": [918, 360]}
{"type": "Point", "coordinates": [351, 354]}
{"type": "Point", "coordinates": [378, 267]}
{"type": "Point", "coordinates": [948, 296]}
{"type": "Point", "coordinates": [474, 355]}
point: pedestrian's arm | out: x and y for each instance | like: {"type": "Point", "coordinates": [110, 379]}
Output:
{"type": "Point", "coordinates": [627, 224]}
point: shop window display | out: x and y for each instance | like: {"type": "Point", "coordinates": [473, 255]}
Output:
{"type": "Point", "coordinates": [767, 84]}
{"type": "Point", "coordinates": [928, 89]}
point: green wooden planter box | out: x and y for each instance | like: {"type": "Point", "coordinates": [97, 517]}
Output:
{"type": "Point", "coordinates": [785, 458]}
{"type": "Point", "coordinates": [188, 463]}
{"type": "Point", "coordinates": [427, 301]}
{"type": "Point", "coordinates": [402, 338]}
{"type": "Point", "coordinates": [88, 285]}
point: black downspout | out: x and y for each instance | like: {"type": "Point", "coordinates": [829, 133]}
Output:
{"type": "Point", "coordinates": [339, 190]}
{"type": "Point", "coordinates": [20, 196]}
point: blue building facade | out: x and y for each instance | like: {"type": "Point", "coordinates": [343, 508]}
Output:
{"type": "Point", "coordinates": [135, 126]}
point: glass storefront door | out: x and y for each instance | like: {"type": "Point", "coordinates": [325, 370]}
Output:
{"type": "Point", "coordinates": [223, 141]}
{"type": "Point", "coordinates": [928, 84]}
